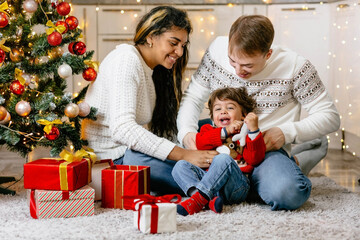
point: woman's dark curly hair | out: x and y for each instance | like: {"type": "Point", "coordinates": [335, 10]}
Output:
{"type": "Point", "coordinates": [167, 81]}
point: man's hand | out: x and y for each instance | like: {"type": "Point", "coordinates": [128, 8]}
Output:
{"type": "Point", "coordinates": [189, 141]}
{"type": "Point", "coordinates": [274, 139]}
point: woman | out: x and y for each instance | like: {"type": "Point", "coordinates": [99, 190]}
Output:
{"type": "Point", "coordinates": [140, 85]}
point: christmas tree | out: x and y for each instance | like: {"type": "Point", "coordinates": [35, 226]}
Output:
{"type": "Point", "coordinates": [39, 48]}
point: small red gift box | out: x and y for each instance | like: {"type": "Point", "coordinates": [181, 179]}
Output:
{"type": "Point", "coordinates": [123, 180]}
{"type": "Point", "coordinates": [96, 175]}
{"type": "Point", "coordinates": [62, 204]}
{"type": "Point", "coordinates": [155, 214]}
{"type": "Point", "coordinates": [51, 174]}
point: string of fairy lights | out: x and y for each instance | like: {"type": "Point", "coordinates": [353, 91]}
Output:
{"type": "Point", "coordinates": [346, 34]}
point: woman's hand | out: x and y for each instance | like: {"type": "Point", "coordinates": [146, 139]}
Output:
{"type": "Point", "coordinates": [200, 158]}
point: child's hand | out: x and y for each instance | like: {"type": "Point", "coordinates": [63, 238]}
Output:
{"type": "Point", "coordinates": [234, 127]}
{"type": "Point", "coordinates": [251, 121]}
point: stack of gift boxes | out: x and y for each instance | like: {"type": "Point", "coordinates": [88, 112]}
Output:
{"type": "Point", "coordinates": [59, 188]}
{"type": "Point", "coordinates": [64, 189]}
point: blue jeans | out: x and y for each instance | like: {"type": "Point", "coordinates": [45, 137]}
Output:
{"type": "Point", "coordinates": [223, 178]}
{"type": "Point", "coordinates": [161, 180]}
{"type": "Point", "coordinates": [280, 182]}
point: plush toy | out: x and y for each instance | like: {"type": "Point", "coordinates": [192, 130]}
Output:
{"type": "Point", "coordinates": [234, 147]}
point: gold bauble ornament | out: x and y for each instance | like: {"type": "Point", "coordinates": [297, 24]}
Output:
{"type": "Point", "coordinates": [6, 119]}
{"type": "Point", "coordinates": [55, 53]}
{"type": "Point", "coordinates": [71, 110]}
{"type": "Point", "coordinates": [3, 113]}
{"type": "Point", "coordinates": [16, 54]}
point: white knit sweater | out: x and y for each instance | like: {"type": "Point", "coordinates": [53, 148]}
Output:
{"type": "Point", "coordinates": [287, 83]}
{"type": "Point", "coordinates": [124, 95]}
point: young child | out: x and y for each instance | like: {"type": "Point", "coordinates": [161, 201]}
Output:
{"type": "Point", "coordinates": [223, 182]}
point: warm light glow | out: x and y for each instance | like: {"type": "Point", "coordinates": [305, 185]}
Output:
{"type": "Point", "coordinates": [97, 9]}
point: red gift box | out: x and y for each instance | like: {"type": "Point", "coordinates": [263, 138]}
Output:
{"type": "Point", "coordinates": [51, 174]}
{"type": "Point", "coordinates": [96, 175]}
{"type": "Point", "coordinates": [123, 180]}
{"type": "Point", "coordinates": [62, 204]}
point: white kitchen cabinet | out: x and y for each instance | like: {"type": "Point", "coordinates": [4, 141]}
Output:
{"type": "Point", "coordinates": [305, 30]}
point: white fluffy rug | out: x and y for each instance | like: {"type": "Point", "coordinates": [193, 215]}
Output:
{"type": "Point", "coordinates": [332, 212]}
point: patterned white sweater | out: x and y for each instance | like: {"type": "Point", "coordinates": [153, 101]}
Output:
{"type": "Point", "coordinates": [287, 83]}
{"type": "Point", "coordinates": [124, 95]}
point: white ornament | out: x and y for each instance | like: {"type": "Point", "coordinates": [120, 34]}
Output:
{"type": "Point", "coordinates": [27, 78]}
{"type": "Point", "coordinates": [23, 108]}
{"type": "Point", "coordinates": [30, 6]}
{"type": "Point", "coordinates": [71, 110]}
{"type": "Point", "coordinates": [52, 106]}
{"type": "Point", "coordinates": [64, 70]}
{"type": "Point", "coordinates": [84, 109]}
{"type": "Point", "coordinates": [43, 59]}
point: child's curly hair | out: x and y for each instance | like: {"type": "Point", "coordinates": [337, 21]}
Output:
{"type": "Point", "coordinates": [239, 95]}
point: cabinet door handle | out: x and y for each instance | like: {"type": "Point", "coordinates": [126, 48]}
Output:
{"type": "Point", "coordinates": [343, 5]}
{"type": "Point", "coordinates": [298, 9]}
{"type": "Point", "coordinates": [199, 9]}
{"type": "Point", "coordinates": [117, 39]}
{"type": "Point", "coordinates": [120, 10]}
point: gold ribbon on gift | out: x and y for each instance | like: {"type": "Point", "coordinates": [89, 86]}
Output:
{"type": "Point", "coordinates": [79, 155]}
{"type": "Point", "coordinates": [3, 47]}
{"type": "Point", "coordinates": [48, 124]}
{"type": "Point", "coordinates": [18, 76]}
{"type": "Point", "coordinates": [3, 7]}
{"type": "Point", "coordinates": [53, 28]}
{"type": "Point", "coordinates": [92, 64]}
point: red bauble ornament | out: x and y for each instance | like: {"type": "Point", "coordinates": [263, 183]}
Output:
{"type": "Point", "coordinates": [2, 55]}
{"type": "Point", "coordinates": [54, 39]}
{"type": "Point", "coordinates": [16, 87]}
{"type": "Point", "coordinates": [70, 47]}
{"type": "Point", "coordinates": [53, 134]}
{"type": "Point", "coordinates": [72, 21]}
{"type": "Point", "coordinates": [4, 20]}
{"type": "Point", "coordinates": [62, 23]}
{"type": "Point", "coordinates": [63, 8]}
{"type": "Point", "coordinates": [79, 48]}
{"type": "Point", "coordinates": [89, 74]}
